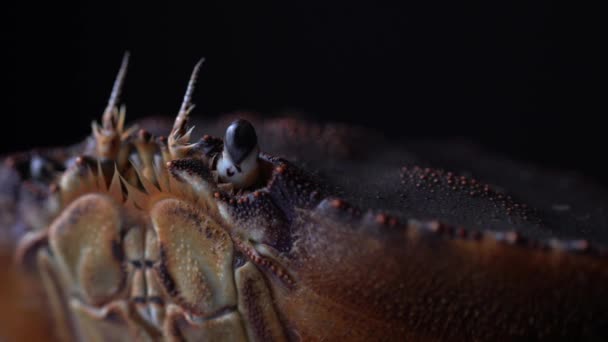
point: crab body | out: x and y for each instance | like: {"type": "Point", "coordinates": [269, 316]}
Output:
{"type": "Point", "coordinates": [338, 236]}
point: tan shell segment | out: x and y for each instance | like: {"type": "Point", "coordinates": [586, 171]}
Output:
{"type": "Point", "coordinates": [111, 322]}
{"type": "Point", "coordinates": [196, 257]}
{"type": "Point", "coordinates": [85, 240]}
{"type": "Point", "coordinates": [55, 296]}
{"type": "Point", "coordinates": [179, 326]}
{"type": "Point", "coordinates": [256, 306]}
{"type": "Point", "coordinates": [145, 290]}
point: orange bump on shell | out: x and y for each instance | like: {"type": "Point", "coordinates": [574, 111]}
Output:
{"type": "Point", "coordinates": [336, 203]}
{"type": "Point", "coordinates": [435, 226]}
{"type": "Point", "coordinates": [381, 219]}
{"type": "Point", "coordinates": [582, 245]}
{"type": "Point", "coordinates": [512, 237]}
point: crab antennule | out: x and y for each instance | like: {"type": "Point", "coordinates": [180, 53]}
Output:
{"type": "Point", "coordinates": [179, 137]}
{"type": "Point", "coordinates": [182, 117]}
{"type": "Point", "coordinates": [110, 133]}
{"type": "Point", "coordinates": [115, 95]}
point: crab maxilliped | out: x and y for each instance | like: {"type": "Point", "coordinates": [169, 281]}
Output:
{"type": "Point", "coordinates": [330, 233]}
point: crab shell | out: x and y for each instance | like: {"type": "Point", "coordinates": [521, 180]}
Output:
{"type": "Point", "coordinates": [343, 239]}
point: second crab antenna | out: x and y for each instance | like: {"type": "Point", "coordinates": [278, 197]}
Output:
{"type": "Point", "coordinates": [116, 90]}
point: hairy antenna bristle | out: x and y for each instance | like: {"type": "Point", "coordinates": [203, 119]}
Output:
{"type": "Point", "coordinates": [182, 116]}
{"type": "Point", "coordinates": [116, 90]}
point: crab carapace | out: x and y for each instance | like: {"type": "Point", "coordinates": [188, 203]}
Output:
{"type": "Point", "coordinates": [287, 229]}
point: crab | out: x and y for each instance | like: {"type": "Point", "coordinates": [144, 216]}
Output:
{"type": "Point", "coordinates": [289, 230]}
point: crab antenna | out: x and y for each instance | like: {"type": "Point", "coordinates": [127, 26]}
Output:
{"type": "Point", "coordinates": [182, 116]}
{"type": "Point", "coordinates": [116, 89]}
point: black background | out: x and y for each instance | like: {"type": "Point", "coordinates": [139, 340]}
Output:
{"type": "Point", "coordinates": [521, 79]}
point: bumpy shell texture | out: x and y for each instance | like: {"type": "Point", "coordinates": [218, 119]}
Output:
{"type": "Point", "coordinates": [345, 235]}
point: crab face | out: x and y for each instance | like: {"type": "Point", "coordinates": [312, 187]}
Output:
{"type": "Point", "coordinates": [137, 236]}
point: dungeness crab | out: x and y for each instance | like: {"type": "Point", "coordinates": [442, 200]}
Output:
{"type": "Point", "coordinates": [292, 230]}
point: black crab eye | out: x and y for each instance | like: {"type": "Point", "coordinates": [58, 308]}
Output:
{"type": "Point", "coordinates": [240, 140]}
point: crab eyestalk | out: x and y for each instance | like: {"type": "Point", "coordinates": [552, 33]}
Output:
{"type": "Point", "coordinates": [179, 139]}
{"type": "Point", "coordinates": [239, 162]}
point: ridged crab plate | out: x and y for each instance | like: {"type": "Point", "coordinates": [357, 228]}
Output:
{"type": "Point", "coordinates": [287, 229]}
